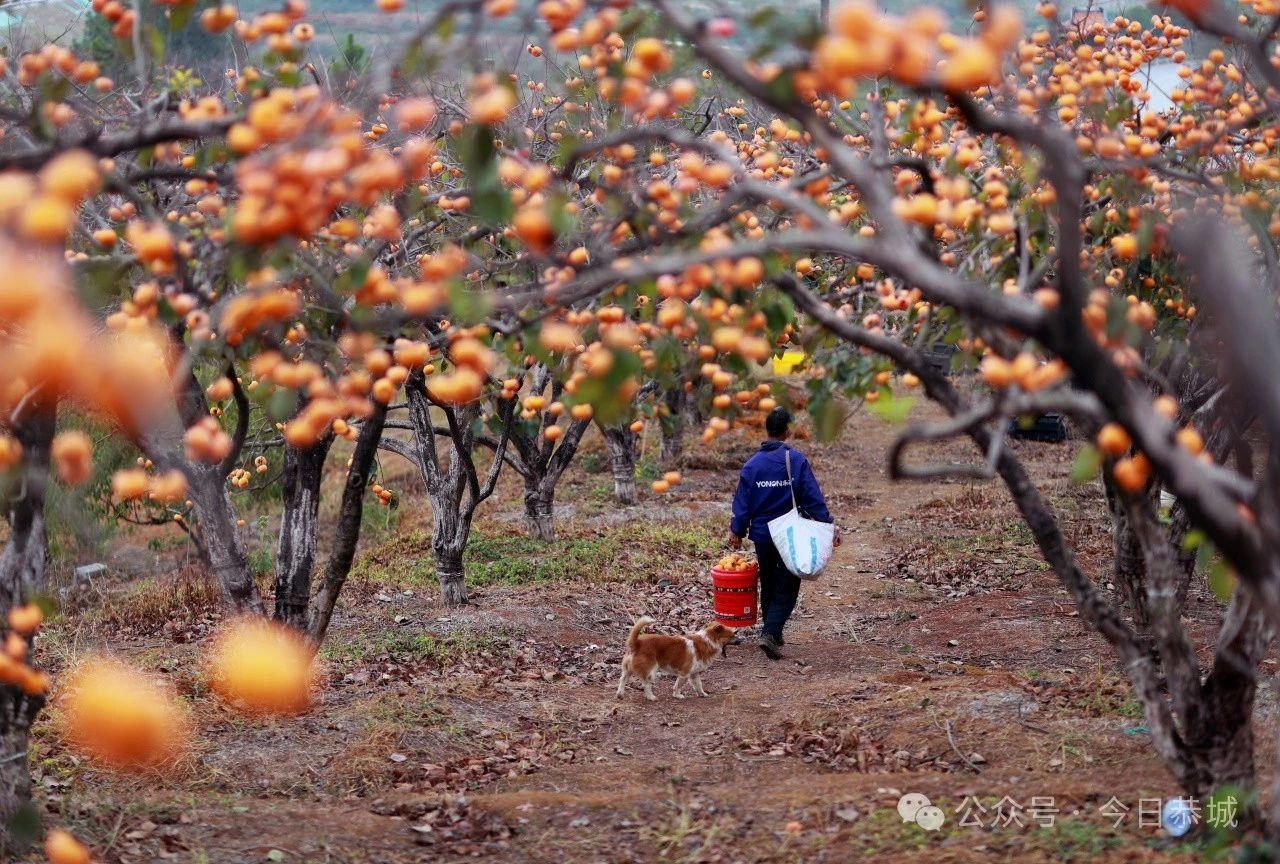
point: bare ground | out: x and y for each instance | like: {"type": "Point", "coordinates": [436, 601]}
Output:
{"type": "Point", "coordinates": [936, 655]}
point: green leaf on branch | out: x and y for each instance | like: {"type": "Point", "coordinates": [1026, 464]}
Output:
{"type": "Point", "coordinates": [1086, 465]}
{"type": "Point", "coordinates": [281, 405]}
{"type": "Point", "coordinates": [782, 87]}
{"type": "Point", "coordinates": [1222, 580]}
{"type": "Point", "coordinates": [444, 29]}
{"type": "Point", "coordinates": [54, 88]}
{"type": "Point", "coordinates": [352, 279]}
{"type": "Point", "coordinates": [603, 392]}
{"type": "Point", "coordinates": [565, 148]}
{"type": "Point", "coordinates": [828, 416]}
{"type": "Point", "coordinates": [560, 214]}
{"type": "Point", "coordinates": [490, 201]}
{"type": "Point", "coordinates": [179, 15]}
{"type": "Point", "coordinates": [24, 825]}
{"type": "Point", "coordinates": [100, 281]}
{"type": "Point", "coordinates": [155, 42]}
{"type": "Point", "coordinates": [892, 409]}
{"type": "Point", "coordinates": [779, 311]}
{"type": "Point", "coordinates": [1206, 553]}
{"type": "Point", "coordinates": [1193, 540]}
{"type": "Point", "coordinates": [468, 303]}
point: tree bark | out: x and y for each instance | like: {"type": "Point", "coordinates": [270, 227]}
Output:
{"type": "Point", "coordinates": [622, 460]}
{"type": "Point", "coordinates": [25, 555]}
{"type": "Point", "coordinates": [1127, 567]}
{"type": "Point", "coordinates": [457, 489]}
{"type": "Point", "coordinates": [540, 461]}
{"type": "Point", "coordinates": [221, 545]}
{"type": "Point", "coordinates": [22, 575]}
{"type": "Point", "coordinates": [18, 712]}
{"type": "Point", "coordinates": [224, 550]}
{"type": "Point", "coordinates": [1224, 740]}
{"type": "Point", "coordinates": [350, 515]}
{"type": "Point", "coordinates": [451, 528]}
{"type": "Point", "coordinates": [449, 570]}
{"type": "Point", "coordinates": [296, 548]}
{"type": "Point", "coordinates": [672, 427]}
{"type": "Point", "coordinates": [539, 507]}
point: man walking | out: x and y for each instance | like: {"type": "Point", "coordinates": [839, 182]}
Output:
{"type": "Point", "coordinates": [764, 494]}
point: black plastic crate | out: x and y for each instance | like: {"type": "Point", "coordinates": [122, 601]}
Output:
{"type": "Point", "coordinates": [938, 357]}
{"type": "Point", "coordinates": [1051, 428]}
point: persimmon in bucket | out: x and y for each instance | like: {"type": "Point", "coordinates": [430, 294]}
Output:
{"type": "Point", "coordinates": [120, 716]}
{"type": "Point", "coordinates": [263, 667]}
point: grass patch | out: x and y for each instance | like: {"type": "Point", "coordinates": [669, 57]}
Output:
{"type": "Point", "coordinates": [512, 560]}
{"type": "Point", "coordinates": [1069, 838]}
{"type": "Point", "coordinates": [631, 551]}
{"type": "Point", "coordinates": [440, 649]}
{"type": "Point", "coordinates": [1111, 696]}
{"type": "Point", "coordinates": [884, 832]}
{"type": "Point", "coordinates": [1077, 839]}
{"type": "Point", "coordinates": [688, 835]}
{"type": "Point", "coordinates": [147, 604]}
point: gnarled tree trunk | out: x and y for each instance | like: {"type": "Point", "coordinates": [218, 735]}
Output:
{"type": "Point", "coordinates": [22, 574]}
{"type": "Point", "coordinates": [221, 544]}
{"type": "Point", "coordinates": [18, 712]}
{"type": "Point", "coordinates": [25, 555]}
{"type": "Point", "coordinates": [296, 548]}
{"type": "Point", "coordinates": [1223, 739]}
{"type": "Point", "coordinates": [541, 462]}
{"type": "Point", "coordinates": [539, 507]}
{"type": "Point", "coordinates": [224, 550]}
{"type": "Point", "coordinates": [672, 427]}
{"type": "Point", "coordinates": [350, 516]}
{"type": "Point", "coordinates": [455, 489]}
{"type": "Point", "coordinates": [450, 573]}
{"type": "Point", "coordinates": [1128, 568]}
{"type": "Point", "coordinates": [621, 443]}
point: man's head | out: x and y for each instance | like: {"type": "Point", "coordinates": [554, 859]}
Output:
{"type": "Point", "coordinates": [778, 423]}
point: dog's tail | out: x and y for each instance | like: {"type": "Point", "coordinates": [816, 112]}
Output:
{"type": "Point", "coordinates": [636, 629]}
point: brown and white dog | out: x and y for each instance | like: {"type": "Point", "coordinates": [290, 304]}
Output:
{"type": "Point", "coordinates": [687, 657]}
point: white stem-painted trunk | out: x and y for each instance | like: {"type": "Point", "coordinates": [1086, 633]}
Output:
{"type": "Point", "coordinates": [622, 461]}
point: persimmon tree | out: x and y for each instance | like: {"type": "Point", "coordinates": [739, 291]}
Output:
{"type": "Point", "coordinates": [539, 455]}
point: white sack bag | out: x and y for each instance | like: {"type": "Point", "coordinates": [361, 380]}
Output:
{"type": "Point", "coordinates": [804, 544]}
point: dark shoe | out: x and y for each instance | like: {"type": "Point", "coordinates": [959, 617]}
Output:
{"type": "Point", "coordinates": [770, 646]}
{"type": "Point", "coordinates": [781, 642]}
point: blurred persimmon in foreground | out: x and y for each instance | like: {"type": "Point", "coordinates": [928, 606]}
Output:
{"type": "Point", "coordinates": [263, 667]}
{"type": "Point", "coordinates": [121, 716]}
{"type": "Point", "coordinates": [61, 848]}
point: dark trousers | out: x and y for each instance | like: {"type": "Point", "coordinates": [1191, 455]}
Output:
{"type": "Point", "coordinates": [779, 589]}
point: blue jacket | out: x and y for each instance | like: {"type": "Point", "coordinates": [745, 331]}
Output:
{"type": "Point", "coordinates": [763, 494]}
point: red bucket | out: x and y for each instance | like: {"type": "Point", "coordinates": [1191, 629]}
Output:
{"type": "Point", "coordinates": [735, 596]}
